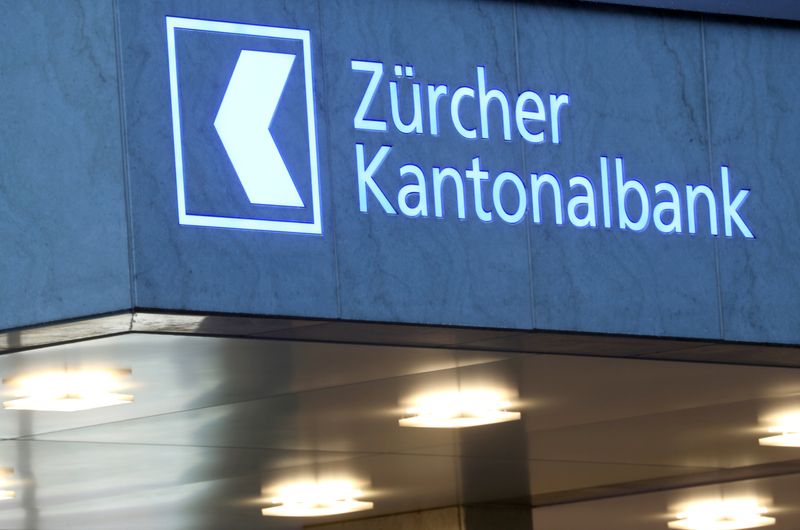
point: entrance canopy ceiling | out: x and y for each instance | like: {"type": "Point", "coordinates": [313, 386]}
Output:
{"type": "Point", "coordinates": [218, 424]}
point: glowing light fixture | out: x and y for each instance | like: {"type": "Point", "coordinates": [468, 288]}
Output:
{"type": "Point", "coordinates": [785, 434]}
{"type": "Point", "coordinates": [317, 499]}
{"type": "Point", "coordinates": [723, 515]}
{"type": "Point", "coordinates": [454, 410]}
{"type": "Point", "coordinates": [6, 494]}
{"type": "Point", "coordinates": [67, 390]}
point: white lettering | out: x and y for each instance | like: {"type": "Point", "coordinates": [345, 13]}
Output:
{"type": "Point", "coordinates": [522, 199]}
{"type": "Point", "coordinates": [440, 175]}
{"type": "Point", "coordinates": [365, 178]}
{"type": "Point", "coordinates": [536, 196]}
{"type": "Point", "coordinates": [523, 116]}
{"type": "Point", "coordinates": [417, 188]}
{"type": "Point", "coordinates": [692, 192]}
{"type": "Point", "coordinates": [586, 200]}
{"type": "Point", "coordinates": [484, 98]}
{"type": "Point", "coordinates": [360, 120]}
{"type": "Point", "coordinates": [623, 189]}
{"type": "Point", "coordinates": [673, 205]}
{"type": "Point", "coordinates": [730, 210]}
{"type": "Point", "coordinates": [458, 95]}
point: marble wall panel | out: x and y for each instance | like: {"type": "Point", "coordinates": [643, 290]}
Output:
{"type": "Point", "coordinates": [63, 230]}
{"type": "Point", "coordinates": [753, 79]}
{"type": "Point", "coordinates": [636, 87]}
{"type": "Point", "coordinates": [426, 269]}
{"type": "Point", "coordinates": [208, 268]}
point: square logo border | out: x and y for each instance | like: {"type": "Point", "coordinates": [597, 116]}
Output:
{"type": "Point", "coordinates": [212, 26]}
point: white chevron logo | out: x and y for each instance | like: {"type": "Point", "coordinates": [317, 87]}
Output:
{"type": "Point", "coordinates": [243, 121]}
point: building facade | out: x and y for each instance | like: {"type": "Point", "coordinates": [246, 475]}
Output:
{"type": "Point", "coordinates": [282, 230]}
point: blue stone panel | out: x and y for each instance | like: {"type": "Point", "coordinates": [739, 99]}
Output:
{"type": "Point", "coordinates": [422, 269]}
{"type": "Point", "coordinates": [63, 225]}
{"type": "Point", "coordinates": [636, 82]}
{"type": "Point", "coordinates": [636, 88]}
{"type": "Point", "coordinates": [753, 78]}
{"type": "Point", "coordinates": [211, 268]}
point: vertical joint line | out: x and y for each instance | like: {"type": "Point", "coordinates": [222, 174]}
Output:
{"type": "Point", "coordinates": [125, 158]}
{"type": "Point", "coordinates": [720, 312]}
{"type": "Point", "coordinates": [528, 227]}
{"type": "Point", "coordinates": [329, 180]}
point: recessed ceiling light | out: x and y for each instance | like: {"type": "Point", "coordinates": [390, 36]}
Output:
{"type": "Point", "coordinates": [785, 434]}
{"type": "Point", "coordinates": [736, 514]}
{"type": "Point", "coordinates": [67, 390]}
{"type": "Point", "coordinates": [453, 410]}
{"type": "Point", "coordinates": [6, 494]}
{"type": "Point", "coordinates": [784, 439]}
{"type": "Point", "coordinates": [317, 499]}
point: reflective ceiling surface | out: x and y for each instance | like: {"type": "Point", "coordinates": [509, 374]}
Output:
{"type": "Point", "coordinates": [218, 424]}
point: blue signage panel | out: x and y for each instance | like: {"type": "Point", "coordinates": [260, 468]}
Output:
{"type": "Point", "coordinates": [447, 162]}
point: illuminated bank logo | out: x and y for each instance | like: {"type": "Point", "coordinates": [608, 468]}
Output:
{"type": "Point", "coordinates": [610, 202]}
{"type": "Point", "coordinates": [243, 126]}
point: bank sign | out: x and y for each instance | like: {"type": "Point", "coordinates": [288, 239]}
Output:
{"type": "Point", "coordinates": [254, 144]}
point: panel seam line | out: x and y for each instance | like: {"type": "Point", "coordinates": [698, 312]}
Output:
{"type": "Point", "coordinates": [720, 299]}
{"type": "Point", "coordinates": [125, 161]}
